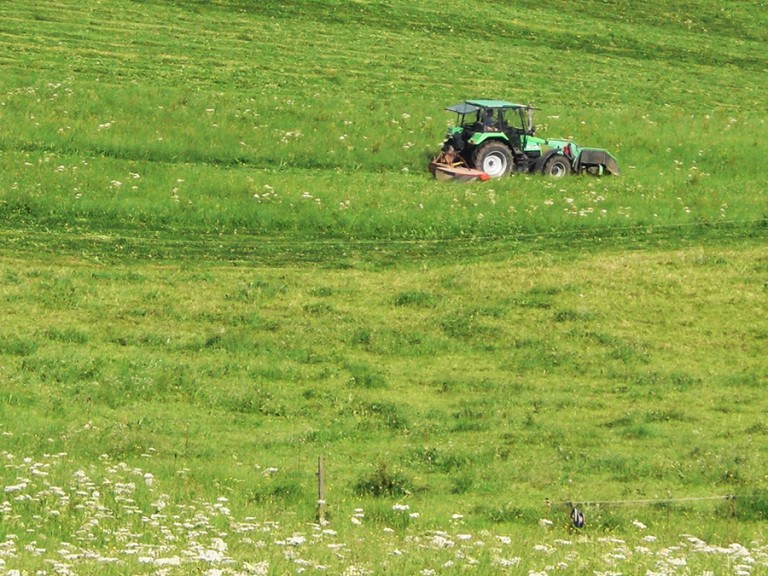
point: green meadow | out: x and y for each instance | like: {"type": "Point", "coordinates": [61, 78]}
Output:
{"type": "Point", "coordinates": [223, 260]}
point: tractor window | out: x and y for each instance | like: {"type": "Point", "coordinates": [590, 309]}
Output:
{"type": "Point", "coordinates": [473, 121]}
{"type": "Point", "coordinates": [514, 120]}
{"type": "Point", "coordinates": [490, 121]}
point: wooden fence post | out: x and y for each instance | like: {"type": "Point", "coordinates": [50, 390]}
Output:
{"type": "Point", "coordinates": [320, 514]}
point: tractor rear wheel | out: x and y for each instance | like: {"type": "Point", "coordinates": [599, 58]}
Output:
{"type": "Point", "coordinates": [557, 166]}
{"type": "Point", "coordinates": [495, 159]}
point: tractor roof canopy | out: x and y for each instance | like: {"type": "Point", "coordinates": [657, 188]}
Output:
{"type": "Point", "coordinates": [469, 106]}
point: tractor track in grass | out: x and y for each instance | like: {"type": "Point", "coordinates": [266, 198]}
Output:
{"type": "Point", "coordinates": [130, 245]}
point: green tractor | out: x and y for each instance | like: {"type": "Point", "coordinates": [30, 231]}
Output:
{"type": "Point", "coordinates": [494, 138]}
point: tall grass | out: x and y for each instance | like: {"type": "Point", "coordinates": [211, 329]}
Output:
{"type": "Point", "coordinates": [222, 257]}
{"type": "Point", "coordinates": [118, 519]}
{"type": "Point", "coordinates": [595, 371]}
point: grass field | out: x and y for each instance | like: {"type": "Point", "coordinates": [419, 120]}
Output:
{"type": "Point", "coordinates": [222, 258]}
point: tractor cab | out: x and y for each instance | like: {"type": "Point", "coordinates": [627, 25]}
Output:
{"type": "Point", "coordinates": [505, 120]}
{"type": "Point", "coordinates": [474, 116]}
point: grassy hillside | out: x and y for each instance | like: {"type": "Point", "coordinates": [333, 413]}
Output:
{"type": "Point", "coordinates": [222, 257]}
{"type": "Point", "coordinates": [222, 117]}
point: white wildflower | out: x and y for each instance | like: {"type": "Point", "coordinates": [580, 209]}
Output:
{"type": "Point", "coordinates": [441, 541]}
{"type": "Point", "coordinates": [171, 561]}
{"type": "Point", "coordinates": [258, 569]}
{"type": "Point", "coordinates": [296, 540]}
{"type": "Point", "coordinates": [16, 487]}
{"type": "Point", "coordinates": [507, 562]}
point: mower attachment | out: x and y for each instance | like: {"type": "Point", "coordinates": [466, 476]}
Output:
{"type": "Point", "coordinates": [596, 159]}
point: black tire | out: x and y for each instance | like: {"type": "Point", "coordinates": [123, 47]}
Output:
{"type": "Point", "coordinates": [494, 158]}
{"type": "Point", "coordinates": [557, 166]}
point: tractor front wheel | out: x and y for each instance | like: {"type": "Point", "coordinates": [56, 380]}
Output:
{"type": "Point", "coordinates": [495, 159]}
{"type": "Point", "coordinates": [557, 166]}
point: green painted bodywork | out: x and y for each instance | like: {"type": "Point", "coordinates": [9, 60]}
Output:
{"type": "Point", "coordinates": [556, 143]}
{"type": "Point", "coordinates": [480, 137]}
